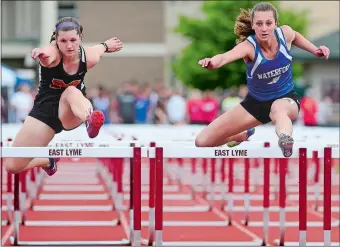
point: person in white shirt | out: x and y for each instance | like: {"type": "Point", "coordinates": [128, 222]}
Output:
{"type": "Point", "coordinates": [22, 102]}
{"type": "Point", "coordinates": [176, 108]}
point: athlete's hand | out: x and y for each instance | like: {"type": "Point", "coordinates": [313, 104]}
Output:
{"type": "Point", "coordinates": [323, 51]}
{"type": "Point", "coordinates": [206, 63]}
{"type": "Point", "coordinates": [114, 45]}
{"type": "Point", "coordinates": [39, 53]}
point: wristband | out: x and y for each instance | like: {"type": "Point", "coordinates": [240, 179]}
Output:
{"type": "Point", "coordinates": [105, 45]}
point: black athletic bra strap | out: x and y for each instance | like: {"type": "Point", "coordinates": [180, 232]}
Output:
{"type": "Point", "coordinates": [83, 58]}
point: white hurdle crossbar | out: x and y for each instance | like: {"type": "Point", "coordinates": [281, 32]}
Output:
{"type": "Point", "coordinates": [270, 152]}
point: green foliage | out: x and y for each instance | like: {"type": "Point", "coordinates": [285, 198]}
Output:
{"type": "Point", "coordinates": [214, 34]}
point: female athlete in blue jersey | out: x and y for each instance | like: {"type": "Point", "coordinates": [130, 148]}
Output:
{"type": "Point", "coordinates": [265, 49]}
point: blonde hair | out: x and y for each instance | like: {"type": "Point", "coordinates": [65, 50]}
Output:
{"type": "Point", "coordinates": [243, 24]}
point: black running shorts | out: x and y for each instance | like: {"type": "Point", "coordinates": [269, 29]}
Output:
{"type": "Point", "coordinates": [48, 114]}
{"type": "Point", "coordinates": [261, 109]}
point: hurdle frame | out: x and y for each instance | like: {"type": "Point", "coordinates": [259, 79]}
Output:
{"type": "Point", "coordinates": [161, 153]}
{"type": "Point", "coordinates": [134, 153]}
{"type": "Point", "coordinates": [158, 154]}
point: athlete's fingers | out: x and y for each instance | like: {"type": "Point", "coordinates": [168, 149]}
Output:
{"type": "Point", "coordinates": [203, 62]}
{"type": "Point", "coordinates": [325, 51]}
{"type": "Point", "coordinates": [35, 54]}
{"type": "Point", "coordinates": [206, 62]}
{"type": "Point", "coordinates": [319, 52]}
{"type": "Point", "coordinates": [118, 44]}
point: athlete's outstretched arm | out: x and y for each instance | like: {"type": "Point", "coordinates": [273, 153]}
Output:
{"type": "Point", "coordinates": [95, 53]}
{"type": "Point", "coordinates": [239, 51]}
{"type": "Point", "coordinates": [300, 41]}
{"type": "Point", "coordinates": [47, 54]}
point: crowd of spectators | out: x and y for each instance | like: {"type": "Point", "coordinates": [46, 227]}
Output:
{"type": "Point", "coordinates": [154, 103]}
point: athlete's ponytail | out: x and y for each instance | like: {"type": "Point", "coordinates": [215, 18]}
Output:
{"type": "Point", "coordinates": [243, 24]}
{"type": "Point", "coordinates": [53, 37]}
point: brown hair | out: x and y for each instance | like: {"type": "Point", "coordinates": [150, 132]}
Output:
{"type": "Point", "coordinates": [67, 24]}
{"type": "Point", "coordinates": [243, 24]}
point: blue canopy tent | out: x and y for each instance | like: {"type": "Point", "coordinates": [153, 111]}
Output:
{"type": "Point", "coordinates": [8, 77]}
{"type": "Point", "coordinates": [10, 80]}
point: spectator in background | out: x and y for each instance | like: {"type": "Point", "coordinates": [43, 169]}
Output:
{"type": "Point", "coordinates": [325, 111]}
{"type": "Point", "coordinates": [101, 102]}
{"type": "Point", "coordinates": [92, 93]}
{"type": "Point", "coordinates": [194, 113]}
{"type": "Point", "coordinates": [157, 88]}
{"type": "Point", "coordinates": [4, 113]}
{"type": "Point", "coordinates": [209, 107]}
{"type": "Point", "coordinates": [309, 109]}
{"type": "Point", "coordinates": [231, 99]}
{"type": "Point", "coordinates": [114, 118]}
{"type": "Point", "coordinates": [142, 104]}
{"type": "Point", "coordinates": [126, 103]}
{"type": "Point", "coordinates": [243, 91]}
{"type": "Point", "coordinates": [176, 107]}
{"type": "Point", "coordinates": [160, 116]}
{"type": "Point", "coordinates": [22, 102]}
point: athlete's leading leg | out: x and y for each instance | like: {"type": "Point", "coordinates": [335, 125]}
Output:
{"type": "Point", "coordinates": [282, 112]}
{"type": "Point", "coordinates": [33, 133]}
{"type": "Point", "coordinates": [75, 108]}
{"type": "Point", "coordinates": [225, 127]}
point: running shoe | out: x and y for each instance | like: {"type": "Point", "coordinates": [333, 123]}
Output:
{"type": "Point", "coordinates": [53, 166]}
{"type": "Point", "coordinates": [94, 122]}
{"type": "Point", "coordinates": [250, 132]}
{"type": "Point", "coordinates": [286, 144]}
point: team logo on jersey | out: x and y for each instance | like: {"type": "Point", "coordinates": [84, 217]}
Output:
{"type": "Point", "coordinates": [275, 80]}
{"type": "Point", "coordinates": [60, 84]}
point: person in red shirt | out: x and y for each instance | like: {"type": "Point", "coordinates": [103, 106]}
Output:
{"type": "Point", "coordinates": [194, 113]}
{"type": "Point", "coordinates": [309, 107]}
{"type": "Point", "coordinates": [209, 107]}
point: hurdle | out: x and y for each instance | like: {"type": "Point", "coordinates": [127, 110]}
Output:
{"type": "Point", "coordinates": [196, 153]}
{"type": "Point", "coordinates": [161, 153]}
{"type": "Point", "coordinates": [27, 185]}
{"type": "Point", "coordinates": [9, 195]}
{"type": "Point", "coordinates": [134, 153]}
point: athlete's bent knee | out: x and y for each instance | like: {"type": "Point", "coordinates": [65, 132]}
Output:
{"type": "Point", "coordinates": [11, 167]}
{"type": "Point", "coordinates": [277, 109]}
